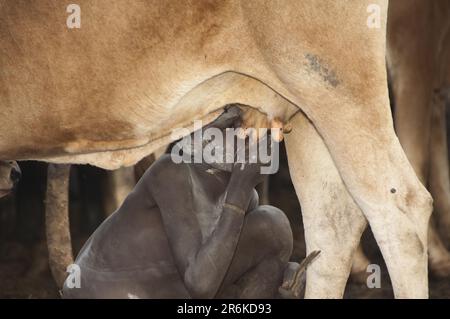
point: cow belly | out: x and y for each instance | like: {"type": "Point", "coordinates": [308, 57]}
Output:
{"type": "Point", "coordinates": [204, 102]}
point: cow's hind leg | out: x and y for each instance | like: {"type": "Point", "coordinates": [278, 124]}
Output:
{"type": "Point", "coordinates": [382, 182]}
{"type": "Point", "coordinates": [370, 160]}
{"type": "Point", "coordinates": [333, 222]}
{"type": "Point", "coordinates": [355, 122]}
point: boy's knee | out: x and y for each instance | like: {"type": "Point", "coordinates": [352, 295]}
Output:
{"type": "Point", "coordinates": [272, 226]}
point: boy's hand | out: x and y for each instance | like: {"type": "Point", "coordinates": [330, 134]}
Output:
{"type": "Point", "coordinates": [250, 169]}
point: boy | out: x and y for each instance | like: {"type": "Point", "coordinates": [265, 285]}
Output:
{"type": "Point", "coordinates": [191, 231]}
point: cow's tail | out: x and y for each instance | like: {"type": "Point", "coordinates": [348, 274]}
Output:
{"type": "Point", "coordinates": [59, 243]}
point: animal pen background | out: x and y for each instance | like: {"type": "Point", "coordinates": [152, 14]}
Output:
{"type": "Point", "coordinates": [24, 270]}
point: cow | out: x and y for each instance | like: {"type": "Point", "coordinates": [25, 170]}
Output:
{"type": "Point", "coordinates": [110, 93]}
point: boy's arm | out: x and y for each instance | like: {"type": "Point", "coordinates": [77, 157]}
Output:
{"type": "Point", "coordinates": [202, 265]}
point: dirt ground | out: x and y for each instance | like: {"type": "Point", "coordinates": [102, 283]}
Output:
{"type": "Point", "coordinates": [24, 271]}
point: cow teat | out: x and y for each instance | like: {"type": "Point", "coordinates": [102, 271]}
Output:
{"type": "Point", "coordinates": [253, 120]}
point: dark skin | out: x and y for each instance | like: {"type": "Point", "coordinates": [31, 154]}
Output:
{"type": "Point", "coordinates": [189, 231]}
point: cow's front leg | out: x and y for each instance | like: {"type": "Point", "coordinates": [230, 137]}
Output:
{"type": "Point", "coordinates": [59, 243]}
{"type": "Point", "coordinates": [333, 222]}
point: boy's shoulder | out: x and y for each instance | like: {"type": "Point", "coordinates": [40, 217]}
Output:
{"type": "Point", "coordinates": [165, 168]}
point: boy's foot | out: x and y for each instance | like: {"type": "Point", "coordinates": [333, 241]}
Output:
{"type": "Point", "coordinates": [294, 280]}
